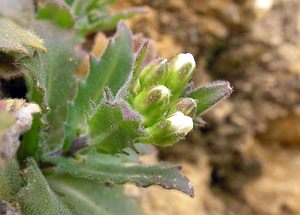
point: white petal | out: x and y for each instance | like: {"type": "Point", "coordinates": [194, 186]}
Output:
{"type": "Point", "coordinates": [181, 123]}
{"type": "Point", "coordinates": [183, 59]}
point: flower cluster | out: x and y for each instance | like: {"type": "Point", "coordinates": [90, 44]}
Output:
{"type": "Point", "coordinates": [167, 116]}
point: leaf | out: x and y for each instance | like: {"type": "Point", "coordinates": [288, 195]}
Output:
{"type": "Point", "coordinates": [111, 70]}
{"type": "Point", "coordinates": [114, 127]}
{"type": "Point", "coordinates": [86, 197]}
{"type": "Point", "coordinates": [10, 180]}
{"type": "Point", "coordinates": [208, 95]}
{"type": "Point", "coordinates": [69, 2]}
{"type": "Point", "coordinates": [31, 141]}
{"type": "Point", "coordinates": [57, 11]}
{"type": "Point", "coordinates": [82, 7]}
{"type": "Point", "coordinates": [137, 67]}
{"type": "Point", "coordinates": [103, 21]}
{"type": "Point", "coordinates": [56, 75]}
{"type": "Point", "coordinates": [35, 82]}
{"type": "Point", "coordinates": [103, 168]}
{"type": "Point", "coordinates": [14, 39]}
{"type": "Point", "coordinates": [36, 197]}
{"type": "Point", "coordinates": [139, 60]}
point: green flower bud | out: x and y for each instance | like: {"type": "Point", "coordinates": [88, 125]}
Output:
{"type": "Point", "coordinates": [187, 106]}
{"type": "Point", "coordinates": [152, 103]}
{"type": "Point", "coordinates": [170, 130]}
{"type": "Point", "coordinates": [180, 72]}
{"type": "Point", "coordinates": [153, 74]}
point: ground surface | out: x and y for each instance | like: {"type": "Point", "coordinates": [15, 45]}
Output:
{"type": "Point", "coordinates": [247, 158]}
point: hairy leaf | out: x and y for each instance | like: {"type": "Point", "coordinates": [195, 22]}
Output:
{"type": "Point", "coordinates": [14, 39]}
{"type": "Point", "coordinates": [104, 21]}
{"type": "Point", "coordinates": [56, 76]}
{"type": "Point", "coordinates": [111, 70]}
{"type": "Point", "coordinates": [114, 127]}
{"type": "Point", "coordinates": [31, 141]}
{"type": "Point", "coordinates": [107, 168]}
{"type": "Point", "coordinates": [87, 197]}
{"type": "Point", "coordinates": [35, 81]}
{"type": "Point", "coordinates": [36, 197]}
{"type": "Point", "coordinates": [137, 67]}
{"type": "Point", "coordinates": [208, 95]}
{"type": "Point", "coordinates": [82, 7]}
{"type": "Point", "coordinates": [69, 2]}
{"type": "Point", "coordinates": [10, 180]}
{"type": "Point", "coordinates": [56, 11]}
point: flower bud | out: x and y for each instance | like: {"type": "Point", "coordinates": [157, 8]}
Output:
{"type": "Point", "coordinates": [170, 130]}
{"type": "Point", "coordinates": [152, 103]}
{"type": "Point", "coordinates": [180, 123]}
{"type": "Point", "coordinates": [154, 74]}
{"type": "Point", "coordinates": [180, 72]}
{"type": "Point", "coordinates": [187, 106]}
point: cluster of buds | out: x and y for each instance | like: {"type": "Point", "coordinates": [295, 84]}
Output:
{"type": "Point", "coordinates": [167, 116]}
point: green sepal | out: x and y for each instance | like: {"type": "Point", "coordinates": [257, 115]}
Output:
{"type": "Point", "coordinates": [168, 131]}
{"type": "Point", "coordinates": [187, 106]}
{"type": "Point", "coordinates": [153, 74]}
{"type": "Point", "coordinates": [181, 69]}
{"type": "Point", "coordinates": [152, 103]}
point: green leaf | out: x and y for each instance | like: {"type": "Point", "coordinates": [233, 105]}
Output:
{"type": "Point", "coordinates": [14, 39]}
{"type": "Point", "coordinates": [138, 64]}
{"type": "Point", "coordinates": [86, 197]}
{"type": "Point", "coordinates": [58, 12]}
{"type": "Point", "coordinates": [35, 82]}
{"type": "Point", "coordinates": [111, 70]}
{"type": "Point", "coordinates": [103, 168]}
{"type": "Point", "coordinates": [36, 197]}
{"type": "Point", "coordinates": [83, 7]}
{"type": "Point", "coordinates": [31, 141]}
{"type": "Point", "coordinates": [208, 95]}
{"type": "Point", "coordinates": [104, 21]}
{"type": "Point", "coordinates": [10, 180]}
{"type": "Point", "coordinates": [69, 2]}
{"type": "Point", "coordinates": [57, 69]}
{"type": "Point", "coordinates": [114, 127]}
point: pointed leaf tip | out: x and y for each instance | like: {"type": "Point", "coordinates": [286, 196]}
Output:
{"type": "Point", "coordinates": [208, 95]}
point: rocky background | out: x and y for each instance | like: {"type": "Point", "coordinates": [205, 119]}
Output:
{"type": "Point", "coordinates": [246, 160]}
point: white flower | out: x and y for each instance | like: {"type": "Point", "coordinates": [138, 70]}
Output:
{"type": "Point", "coordinates": [180, 123]}
{"type": "Point", "coordinates": [183, 59]}
{"type": "Point", "coordinates": [181, 69]}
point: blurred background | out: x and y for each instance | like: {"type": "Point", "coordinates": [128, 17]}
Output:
{"type": "Point", "coordinates": [246, 159]}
